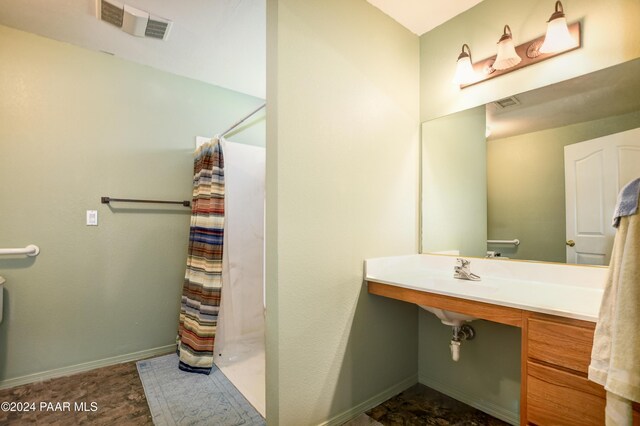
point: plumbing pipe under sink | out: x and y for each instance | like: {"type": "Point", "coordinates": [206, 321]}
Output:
{"type": "Point", "coordinates": [464, 332]}
{"type": "Point", "coordinates": [458, 322]}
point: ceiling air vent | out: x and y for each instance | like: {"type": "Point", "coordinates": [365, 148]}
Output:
{"type": "Point", "coordinates": [111, 12]}
{"type": "Point", "coordinates": [506, 102]}
{"type": "Point", "coordinates": [158, 28]}
{"type": "Point", "coordinates": [132, 20]}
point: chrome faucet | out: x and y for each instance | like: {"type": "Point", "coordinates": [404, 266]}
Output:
{"type": "Point", "coordinates": [462, 270]}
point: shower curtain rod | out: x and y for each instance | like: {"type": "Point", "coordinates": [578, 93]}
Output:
{"type": "Point", "coordinates": [242, 121]}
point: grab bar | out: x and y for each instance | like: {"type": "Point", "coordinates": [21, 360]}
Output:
{"type": "Point", "coordinates": [515, 242]}
{"type": "Point", "coordinates": [30, 250]}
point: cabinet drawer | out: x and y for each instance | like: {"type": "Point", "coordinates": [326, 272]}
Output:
{"type": "Point", "coordinates": [566, 345]}
{"type": "Point", "coordinates": [556, 397]}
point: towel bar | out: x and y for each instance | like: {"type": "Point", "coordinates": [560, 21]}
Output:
{"type": "Point", "coordinates": [107, 200]}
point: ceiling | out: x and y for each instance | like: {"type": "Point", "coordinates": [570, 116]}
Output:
{"type": "Point", "coordinates": [608, 92]}
{"type": "Point", "coordinates": [221, 42]}
{"type": "Point", "coordinates": [420, 16]}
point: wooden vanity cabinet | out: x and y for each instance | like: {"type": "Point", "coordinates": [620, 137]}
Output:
{"type": "Point", "coordinates": [556, 353]}
{"type": "Point", "coordinates": [555, 361]}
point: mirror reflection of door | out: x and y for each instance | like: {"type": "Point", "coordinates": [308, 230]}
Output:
{"type": "Point", "coordinates": [595, 171]}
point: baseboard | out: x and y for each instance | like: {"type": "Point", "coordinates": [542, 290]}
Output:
{"type": "Point", "coordinates": [79, 368]}
{"type": "Point", "coordinates": [372, 402]}
{"type": "Point", "coordinates": [497, 411]}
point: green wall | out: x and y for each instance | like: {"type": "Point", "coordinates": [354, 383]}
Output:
{"type": "Point", "coordinates": [525, 185]}
{"type": "Point", "coordinates": [342, 186]}
{"type": "Point", "coordinates": [610, 36]}
{"type": "Point", "coordinates": [454, 183]}
{"type": "Point", "coordinates": [76, 125]}
{"type": "Point", "coordinates": [487, 375]}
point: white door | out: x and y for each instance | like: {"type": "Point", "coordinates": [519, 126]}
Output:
{"type": "Point", "coordinates": [595, 171]}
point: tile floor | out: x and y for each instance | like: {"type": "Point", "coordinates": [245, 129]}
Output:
{"type": "Point", "coordinates": [420, 405]}
{"type": "Point", "coordinates": [116, 391]}
{"type": "Point", "coordinates": [120, 400]}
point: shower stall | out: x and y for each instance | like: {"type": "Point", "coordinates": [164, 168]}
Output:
{"type": "Point", "coordinates": [239, 345]}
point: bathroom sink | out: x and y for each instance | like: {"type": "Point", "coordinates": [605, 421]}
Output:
{"type": "Point", "coordinates": [448, 317]}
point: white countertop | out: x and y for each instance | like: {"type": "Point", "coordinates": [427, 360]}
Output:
{"type": "Point", "coordinates": [570, 291]}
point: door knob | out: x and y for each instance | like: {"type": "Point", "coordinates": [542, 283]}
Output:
{"type": "Point", "coordinates": [570, 243]}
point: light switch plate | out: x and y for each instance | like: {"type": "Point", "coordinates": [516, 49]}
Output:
{"type": "Point", "coordinates": [92, 217]}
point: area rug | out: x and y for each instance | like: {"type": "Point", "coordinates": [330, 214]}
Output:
{"type": "Point", "coordinates": [176, 397]}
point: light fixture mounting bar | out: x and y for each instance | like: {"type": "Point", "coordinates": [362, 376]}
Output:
{"type": "Point", "coordinates": [527, 51]}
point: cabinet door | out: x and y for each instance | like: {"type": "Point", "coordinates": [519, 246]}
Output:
{"type": "Point", "coordinates": [566, 345]}
{"type": "Point", "coordinates": [559, 398]}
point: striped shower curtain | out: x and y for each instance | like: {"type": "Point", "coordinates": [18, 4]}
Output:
{"type": "Point", "coordinates": [203, 277]}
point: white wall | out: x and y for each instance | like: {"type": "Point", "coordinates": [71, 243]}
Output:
{"type": "Point", "coordinates": [342, 186]}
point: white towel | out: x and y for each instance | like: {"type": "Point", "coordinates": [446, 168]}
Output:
{"type": "Point", "coordinates": [615, 358]}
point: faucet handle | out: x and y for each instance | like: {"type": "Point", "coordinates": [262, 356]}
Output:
{"type": "Point", "coordinates": [462, 270]}
{"type": "Point", "coordinates": [462, 263]}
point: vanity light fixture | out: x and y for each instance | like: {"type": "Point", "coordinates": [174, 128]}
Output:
{"type": "Point", "coordinates": [507, 56]}
{"type": "Point", "coordinates": [464, 70]}
{"type": "Point", "coordinates": [559, 39]}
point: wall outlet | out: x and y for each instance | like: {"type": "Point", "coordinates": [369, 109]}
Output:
{"type": "Point", "coordinates": [92, 217]}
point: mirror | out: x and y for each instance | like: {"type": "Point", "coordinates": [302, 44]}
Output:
{"type": "Point", "coordinates": [542, 167]}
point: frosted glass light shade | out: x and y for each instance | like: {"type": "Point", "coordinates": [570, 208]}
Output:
{"type": "Point", "coordinates": [507, 56]}
{"type": "Point", "coordinates": [464, 72]}
{"type": "Point", "coordinates": [558, 37]}
{"type": "Point", "coordinates": [464, 68]}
